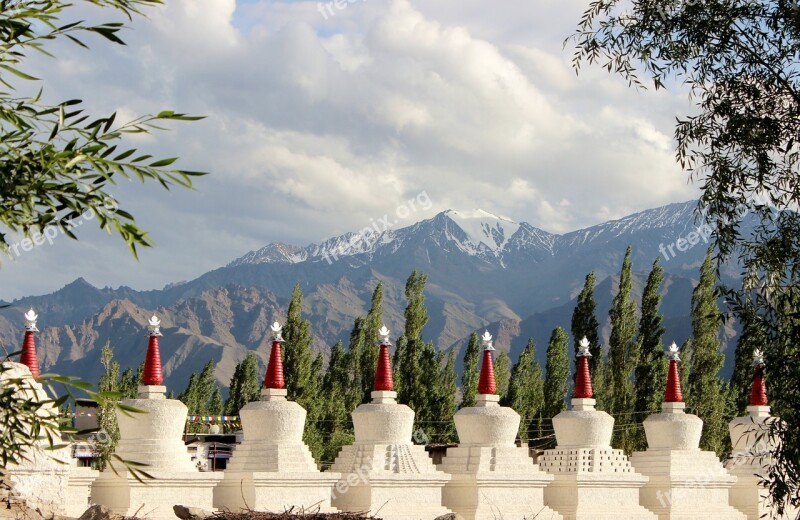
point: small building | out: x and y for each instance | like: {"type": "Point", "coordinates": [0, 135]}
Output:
{"type": "Point", "coordinates": [210, 451]}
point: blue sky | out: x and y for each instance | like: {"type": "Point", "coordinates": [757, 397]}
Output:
{"type": "Point", "coordinates": [315, 125]}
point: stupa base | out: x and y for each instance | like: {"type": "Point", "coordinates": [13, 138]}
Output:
{"type": "Point", "coordinates": [79, 490]}
{"type": "Point", "coordinates": [276, 492]}
{"type": "Point", "coordinates": [391, 497]}
{"type": "Point", "coordinates": [154, 499]}
{"type": "Point", "coordinates": [489, 482]}
{"type": "Point", "coordinates": [587, 496]}
{"type": "Point", "coordinates": [488, 496]}
{"type": "Point", "coordinates": [685, 485]}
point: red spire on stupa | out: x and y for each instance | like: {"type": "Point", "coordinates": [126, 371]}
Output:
{"type": "Point", "coordinates": [274, 377]}
{"type": "Point", "coordinates": [152, 374]}
{"type": "Point", "coordinates": [487, 383]}
{"type": "Point", "coordinates": [758, 392]}
{"type": "Point", "coordinates": [384, 381]}
{"type": "Point", "coordinates": [28, 356]}
{"type": "Point", "coordinates": [583, 378]}
{"type": "Point", "coordinates": [673, 393]}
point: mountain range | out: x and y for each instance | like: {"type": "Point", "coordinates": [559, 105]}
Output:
{"type": "Point", "coordinates": [484, 271]}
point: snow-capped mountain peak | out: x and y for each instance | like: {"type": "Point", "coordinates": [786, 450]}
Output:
{"type": "Point", "coordinates": [483, 230]}
{"type": "Point", "coordinates": [480, 234]}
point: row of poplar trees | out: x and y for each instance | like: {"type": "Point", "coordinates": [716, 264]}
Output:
{"type": "Point", "coordinates": [629, 381]}
{"type": "Point", "coordinates": [629, 376]}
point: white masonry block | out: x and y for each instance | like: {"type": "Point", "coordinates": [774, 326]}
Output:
{"type": "Point", "coordinates": [273, 470]}
{"type": "Point", "coordinates": [383, 472]}
{"type": "Point", "coordinates": [155, 438]}
{"type": "Point", "coordinates": [685, 482]}
{"type": "Point", "coordinates": [592, 481]}
{"type": "Point", "coordinates": [491, 477]}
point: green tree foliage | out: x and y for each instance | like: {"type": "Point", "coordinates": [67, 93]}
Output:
{"type": "Point", "coordinates": [398, 366]}
{"type": "Point", "coordinates": [198, 395]}
{"type": "Point", "coordinates": [297, 355]}
{"type": "Point", "coordinates": [245, 386]}
{"type": "Point", "coordinates": [584, 324]}
{"type": "Point", "coordinates": [215, 404]}
{"type": "Point", "coordinates": [112, 388]}
{"type": "Point", "coordinates": [622, 358]}
{"type": "Point", "coordinates": [526, 392]}
{"type": "Point", "coordinates": [58, 161]}
{"type": "Point", "coordinates": [313, 434]}
{"type": "Point", "coordinates": [410, 368]}
{"type": "Point", "coordinates": [739, 140]}
{"type": "Point", "coordinates": [334, 420]}
{"type": "Point", "coordinates": [106, 416]}
{"type": "Point", "coordinates": [423, 380]}
{"type": "Point", "coordinates": [358, 386]}
{"type": "Point", "coordinates": [753, 337]}
{"type": "Point", "coordinates": [502, 373]}
{"type": "Point", "coordinates": [651, 372]}
{"type": "Point", "coordinates": [469, 378]}
{"type": "Point", "coordinates": [369, 356]}
{"type": "Point", "coordinates": [556, 382]}
{"type": "Point", "coordinates": [441, 379]}
{"type": "Point", "coordinates": [129, 382]}
{"type": "Point", "coordinates": [687, 353]}
{"type": "Point", "coordinates": [783, 386]}
{"type": "Point", "coordinates": [584, 320]}
{"type": "Point", "coordinates": [707, 398]}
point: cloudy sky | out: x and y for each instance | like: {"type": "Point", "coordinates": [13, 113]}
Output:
{"type": "Point", "coordinates": [320, 120]}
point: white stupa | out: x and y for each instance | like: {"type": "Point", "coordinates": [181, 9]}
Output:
{"type": "Point", "coordinates": [154, 438]}
{"type": "Point", "coordinates": [491, 477]}
{"type": "Point", "coordinates": [592, 481]}
{"type": "Point", "coordinates": [48, 479]}
{"type": "Point", "coordinates": [383, 472]}
{"type": "Point", "coordinates": [273, 470]}
{"type": "Point", "coordinates": [685, 482]}
{"type": "Point", "coordinates": [751, 457]}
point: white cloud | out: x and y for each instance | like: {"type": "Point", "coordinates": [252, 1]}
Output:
{"type": "Point", "coordinates": [316, 125]}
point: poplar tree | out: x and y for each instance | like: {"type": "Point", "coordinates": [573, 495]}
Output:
{"type": "Point", "coordinates": [409, 372]}
{"type": "Point", "coordinates": [557, 378]}
{"type": "Point", "coordinates": [441, 382]}
{"type": "Point", "coordinates": [215, 404]}
{"type": "Point", "coordinates": [651, 372]}
{"type": "Point", "coordinates": [245, 386]}
{"type": "Point", "coordinates": [469, 378]}
{"type": "Point", "coordinates": [397, 364]}
{"type": "Point", "coordinates": [687, 353]}
{"type": "Point", "coordinates": [357, 389]}
{"type": "Point", "coordinates": [526, 392]}
{"type": "Point", "coordinates": [297, 356]}
{"type": "Point", "coordinates": [707, 397]}
{"type": "Point", "coordinates": [198, 393]}
{"type": "Point", "coordinates": [106, 416]}
{"type": "Point", "coordinates": [334, 419]}
{"type": "Point", "coordinates": [584, 324]}
{"type": "Point", "coordinates": [502, 373]}
{"type": "Point", "coordinates": [130, 381]}
{"type": "Point", "coordinates": [622, 357]}
{"type": "Point", "coordinates": [369, 356]}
